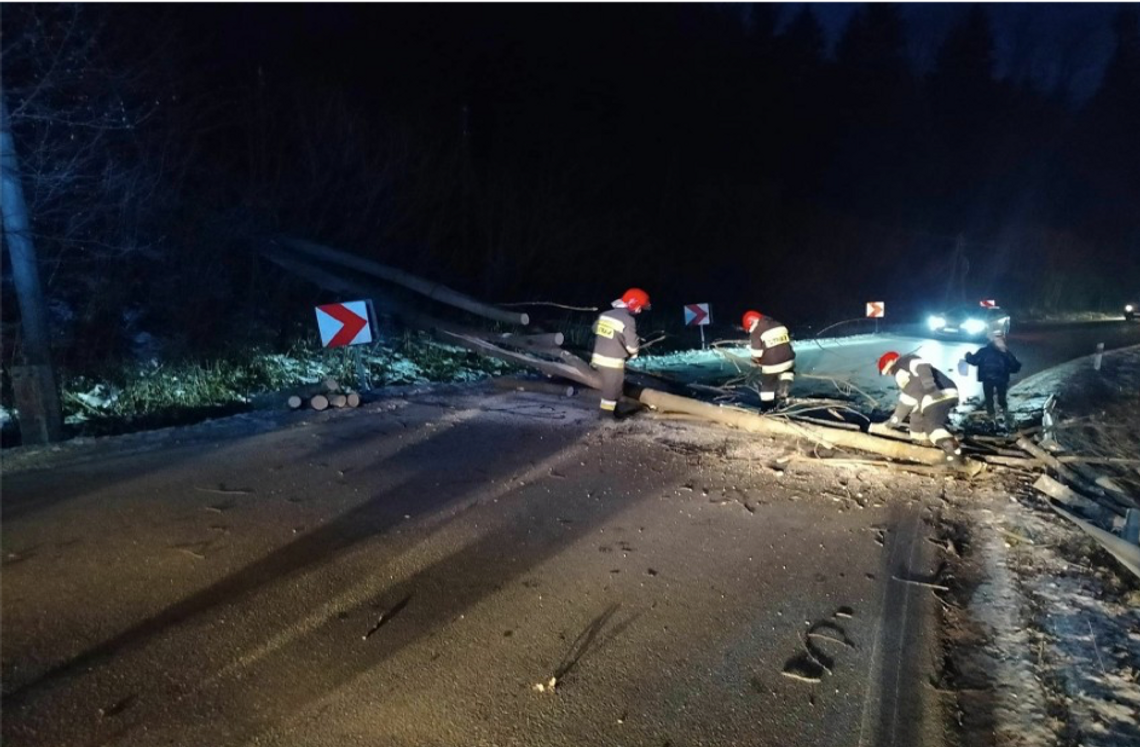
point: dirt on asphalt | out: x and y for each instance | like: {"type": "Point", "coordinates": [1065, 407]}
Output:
{"type": "Point", "coordinates": [471, 566]}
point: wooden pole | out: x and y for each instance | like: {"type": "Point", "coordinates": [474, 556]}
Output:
{"type": "Point", "coordinates": [434, 291]}
{"type": "Point", "coordinates": [773, 426]}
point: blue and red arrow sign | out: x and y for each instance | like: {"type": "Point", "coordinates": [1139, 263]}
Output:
{"type": "Point", "coordinates": [344, 324]}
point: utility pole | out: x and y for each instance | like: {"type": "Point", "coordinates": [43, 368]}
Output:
{"type": "Point", "coordinates": [33, 383]}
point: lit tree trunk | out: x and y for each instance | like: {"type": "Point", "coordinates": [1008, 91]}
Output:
{"type": "Point", "coordinates": [37, 398]}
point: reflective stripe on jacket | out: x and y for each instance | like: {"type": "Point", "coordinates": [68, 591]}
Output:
{"type": "Point", "coordinates": [921, 384]}
{"type": "Point", "coordinates": [615, 338]}
{"type": "Point", "coordinates": [771, 345]}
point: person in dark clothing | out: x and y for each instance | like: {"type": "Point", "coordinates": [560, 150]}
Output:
{"type": "Point", "coordinates": [615, 342]}
{"type": "Point", "coordinates": [995, 365]}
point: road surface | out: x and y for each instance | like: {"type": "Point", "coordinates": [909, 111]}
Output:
{"type": "Point", "coordinates": [821, 364]}
{"type": "Point", "coordinates": [409, 573]}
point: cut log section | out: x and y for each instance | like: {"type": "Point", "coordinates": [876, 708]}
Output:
{"type": "Point", "coordinates": [295, 402]}
{"type": "Point", "coordinates": [331, 384]}
{"type": "Point", "coordinates": [319, 402]}
{"type": "Point", "coordinates": [352, 399]}
{"type": "Point", "coordinates": [338, 400]}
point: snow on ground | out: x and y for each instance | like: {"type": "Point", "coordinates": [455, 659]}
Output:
{"type": "Point", "coordinates": [835, 367]}
{"type": "Point", "coordinates": [1060, 619]}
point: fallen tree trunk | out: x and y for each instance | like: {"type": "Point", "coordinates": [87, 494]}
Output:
{"type": "Point", "coordinates": [434, 291]}
{"type": "Point", "coordinates": [755, 423]}
{"type": "Point", "coordinates": [540, 341]}
{"type": "Point", "coordinates": [582, 374]}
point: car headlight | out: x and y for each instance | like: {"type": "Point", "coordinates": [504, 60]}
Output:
{"type": "Point", "coordinates": [936, 322]}
{"type": "Point", "coordinates": [973, 326]}
{"type": "Point", "coordinates": [1128, 308]}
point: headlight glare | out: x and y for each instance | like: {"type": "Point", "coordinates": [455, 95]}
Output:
{"type": "Point", "coordinates": [936, 322]}
{"type": "Point", "coordinates": [973, 326]}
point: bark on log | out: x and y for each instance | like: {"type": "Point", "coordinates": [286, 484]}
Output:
{"type": "Point", "coordinates": [434, 291]}
{"type": "Point", "coordinates": [543, 340]}
{"type": "Point", "coordinates": [1009, 461]}
{"type": "Point", "coordinates": [295, 402]}
{"type": "Point", "coordinates": [587, 376]}
{"type": "Point", "coordinates": [387, 306]}
{"type": "Point", "coordinates": [755, 423]}
{"type": "Point", "coordinates": [319, 402]}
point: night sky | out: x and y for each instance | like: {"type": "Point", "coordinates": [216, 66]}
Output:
{"type": "Point", "coordinates": [1049, 41]}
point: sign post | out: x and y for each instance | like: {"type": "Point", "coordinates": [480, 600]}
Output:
{"type": "Point", "coordinates": [698, 315]}
{"type": "Point", "coordinates": [348, 324]}
{"type": "Point", "coordinates": [876, 310]}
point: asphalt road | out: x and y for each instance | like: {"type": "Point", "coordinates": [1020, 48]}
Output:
{"type": "Point", "coordinates": [407, 573]}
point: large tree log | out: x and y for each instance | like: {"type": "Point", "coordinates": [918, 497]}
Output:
{"type": "Point", "coordinates": [755, 423]}
{"type": "Point", "coordinates": [586, 376]}
{"type": "Point", "coordinates": [434, 291]}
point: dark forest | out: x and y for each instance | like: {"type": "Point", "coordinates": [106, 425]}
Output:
{"type": "Point", "coordinates": [553, 152]}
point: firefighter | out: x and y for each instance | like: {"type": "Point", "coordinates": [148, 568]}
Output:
{"type": "Point", "coordinates": [615, 342]}
{"type": "Point", "coordinates": [925, 394]}
{"type": "Point", "coordinates": [995, 365]}
{"type": "Point", "coordinates": [771, 348]}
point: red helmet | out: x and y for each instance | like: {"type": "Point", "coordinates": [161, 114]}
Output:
{"type": "Point", "coordinates": [635, 299]}
{"type": "Point", "coordinates": [886, 361]}
{"type": "Point", "coordinates": [750, 318]}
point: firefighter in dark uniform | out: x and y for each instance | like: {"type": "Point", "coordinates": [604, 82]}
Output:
{"type": "Point", "coordinates": [615, 342]}
{"type": "Point", "coordinates": [771, 348]}
{"type": "Point", "coordinates": [925, 394]}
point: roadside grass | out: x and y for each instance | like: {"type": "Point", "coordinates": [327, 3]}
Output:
{"type": "Point", "coordinates": [156, 394]}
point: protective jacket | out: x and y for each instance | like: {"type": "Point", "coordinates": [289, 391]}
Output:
{"type": "Point", "coordinates": [615, 338]}
{"type": "Point", "coordinates": [994, 365]}
{"type": "Point", "coordinates": [772, 347]}
{"type": "Point", "coordinates": [921, 386]}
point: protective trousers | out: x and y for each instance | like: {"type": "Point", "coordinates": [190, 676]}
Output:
{"type": "Point", "coordinates": [930, 425]}
{"type": "Point", "coordinates": [775, 385]}
{"type": "Point", "coordinates": [612, 381]}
